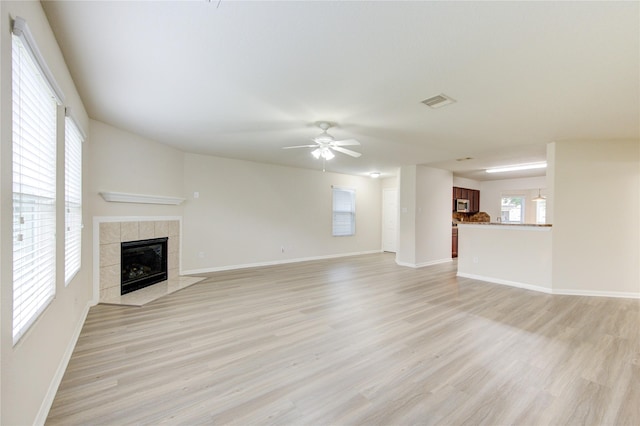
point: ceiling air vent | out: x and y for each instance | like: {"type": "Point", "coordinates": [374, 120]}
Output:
{"type": "Point", "coordinates": [438, 101]}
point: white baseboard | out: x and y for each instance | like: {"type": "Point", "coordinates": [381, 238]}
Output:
{"type": "Point", "coordinates": [595, 293]}
{"type": "Point", "coordinates": [506, 282]}
{"type": "Point", "coordinates": [272, 263]}
{"type": "Point", "coordinates": [434, 262]}
{"type": "Point", "coordinates": [43, 412]}
{"type": "Point", "coordinates": [423, 264]}
{"type": "Point", "coordinates": [565, 292]}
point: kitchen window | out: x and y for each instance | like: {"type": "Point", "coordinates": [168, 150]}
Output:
{"type": "Point", "coordinates": [512, 209]}
{"type": "Point", "coordinates": [541, 211]}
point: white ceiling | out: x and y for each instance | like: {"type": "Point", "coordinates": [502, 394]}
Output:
{"type": "Point", "coordinates": [245, 79]}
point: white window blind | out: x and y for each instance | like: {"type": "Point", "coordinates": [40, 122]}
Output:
{"type": "Point", "coordinates": [72, 198]}
{"type": "Point", "coordinates": [344, 212]}
{"type": "Point", "coordinates": [34, 188]}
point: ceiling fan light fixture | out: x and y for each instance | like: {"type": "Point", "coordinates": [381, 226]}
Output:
{"type": "Point", "coordinates": [325, 144]}
{"type": "Point", "coordinates": [322, 152]}
{"type": "Point", "coordinates": [327, 154]}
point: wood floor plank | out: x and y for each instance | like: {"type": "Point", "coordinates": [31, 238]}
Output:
{"type": "Point", "coordinates": [356, 340]}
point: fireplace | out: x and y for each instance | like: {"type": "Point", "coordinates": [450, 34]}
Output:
{"type": "Point", "coordinates": [143, 263]}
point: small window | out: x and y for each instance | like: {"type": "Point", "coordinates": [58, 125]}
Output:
{"type": "Point", "coordinates": [72, 198]}
{"type": "Point", "coordinates": [541, 211]}
{"type": "Point", "coordinates": [344, 212]}
{"type": "Point", "coordinates": [512, 209]}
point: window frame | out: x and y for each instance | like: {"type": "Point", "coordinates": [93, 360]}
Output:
{"type": "Point", "coordinates": [338, 211]}
{"type": "Point", "coordinates": [541, 211]}
{"type": "Point", "coordinates": [35, 100]}
{"type": "Point", "coordinates": [523, 201]}
{"type": "Point", "coordinates": [73, 139]}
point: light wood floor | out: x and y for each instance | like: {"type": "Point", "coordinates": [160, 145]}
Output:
{"type": "Point", "coordinates": [356, 340]}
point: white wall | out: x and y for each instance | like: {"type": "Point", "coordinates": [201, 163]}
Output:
{"type": "Point", "coordinates": [406, 254]}
{"type": "Point", "coordinates": [551, 179]}
{"type": "Point", "coordinates": [389, 220]}
{"type": "Point", "coordinates": [491, 192]}
{"type": "Point", "coordinates": [596, 233]}
{"type": "Point", "coordinates": [391, 181]}
{"type": "Point", "coordinates": [461, 182]}
{"type": "Point", "coordinates": [31, 369]}
{"type": "Point", "coordinates": [519, 256]}
{"type": "Point", "coordinates": [124, 162]}
{"type": "Point", "coordinates": [425, 216]}
{"type": "Point", "coordinates": [433, 215]}
{"type": "Point", "coordinates": [247, 212]}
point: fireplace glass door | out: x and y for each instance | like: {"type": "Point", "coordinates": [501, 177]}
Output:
{"type": "Point", "coordinates": [143, 263]}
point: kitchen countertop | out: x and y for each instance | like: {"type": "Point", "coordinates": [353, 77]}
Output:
{"type": "Point", "coordinates": [541, 225]}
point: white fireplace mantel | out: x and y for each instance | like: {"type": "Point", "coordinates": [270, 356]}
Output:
{"type": "Point", "coordinates": [122, 197]}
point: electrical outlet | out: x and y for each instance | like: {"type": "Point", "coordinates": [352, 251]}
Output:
{"type": "Point", "coordinates": [201, 255]}
{"type": "Point", "coordinates": [475, 259]}
{"type": "Point", "coordinates": [196, 194]}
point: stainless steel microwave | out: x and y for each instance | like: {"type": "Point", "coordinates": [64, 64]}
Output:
{"type": "Point", "coordinates": [462, 205]}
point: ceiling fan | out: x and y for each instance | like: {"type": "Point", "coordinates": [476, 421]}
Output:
{"type": "Point", "coordinates": [325, 144]}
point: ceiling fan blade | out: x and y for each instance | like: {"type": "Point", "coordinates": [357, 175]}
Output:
{"type": "Point", "coordinates": [345, 142]}
{"type": "Point", "coordinates": [299, 146]}
{"type": "Point", "coordinates": [346, 151]}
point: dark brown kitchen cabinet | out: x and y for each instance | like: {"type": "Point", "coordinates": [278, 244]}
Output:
{"type": "Point", "coordinates": [457, 193]}
{"type": "Point", "coordinates": [474, 200]}
{"type": "Point", "coordinates": [454, 242]}
{"type": "Point", "coordinates": [473, 195]}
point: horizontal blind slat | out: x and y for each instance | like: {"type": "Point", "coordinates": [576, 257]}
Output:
{"type": "Point", "coordinates": [34, 190]}
{"type": "Point", "coordinates": [343, 222]}
{"type": "Point", "coordinates": [73, 199]}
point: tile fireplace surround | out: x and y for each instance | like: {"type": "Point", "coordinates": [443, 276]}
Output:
{"type": "Point", "coordinates": [113, 232]}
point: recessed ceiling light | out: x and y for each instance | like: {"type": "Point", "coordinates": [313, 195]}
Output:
{"type": "Point", "coordinates": [374, 175]}
{"type": "Point", "coordinates": [517, 167]}
{"type": "Point", "coordinates": [438, 101]}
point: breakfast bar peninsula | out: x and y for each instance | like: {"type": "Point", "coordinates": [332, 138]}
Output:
{"type": "Point", "coordinates": [518, 255]}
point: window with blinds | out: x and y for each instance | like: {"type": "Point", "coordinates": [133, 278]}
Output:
{"type": "Point", "coordinates": [344, 212]}
{"type": "Point", "coordinates": [34, 110]}
{"type": "Point", "coordinates": [72, 198]}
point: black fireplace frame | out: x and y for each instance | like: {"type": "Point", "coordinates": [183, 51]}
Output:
{"type": "Point", "coordinates": [127, 285]}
